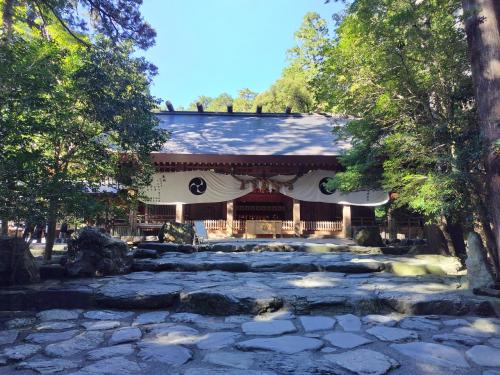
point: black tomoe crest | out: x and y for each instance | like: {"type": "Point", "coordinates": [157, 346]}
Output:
{"type": "Point", "coordinates": [323, 186]}
{"type": "Point", "coordinates": [197, 186]}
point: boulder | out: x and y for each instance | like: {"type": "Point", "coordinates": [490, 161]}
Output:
{"type": "Point", "coordinates": [177, 233]}
{"type": "Point", "coordinates": [94, 253]}
{"type": "Point", "coordinates": [369, 236]}
{"type": "Point", "coordinates": [17, 264]}
{"type": "Point", "coordinates": [478, 272]}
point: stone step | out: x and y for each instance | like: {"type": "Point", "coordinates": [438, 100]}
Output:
{"type": "Point", "coordinates": [193, 265]}
{"type": "Point", "coordinates": [229, 293]}
{"type": "Point", "coordinates": [275, 245]}
{"type": "Point", "coordinates": [271, 261]}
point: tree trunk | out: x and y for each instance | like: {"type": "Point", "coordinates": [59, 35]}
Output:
{"type": "Point", "coordinates": [7, 16]}
{"type": "Point", "coordinates": [5, 226]}
{"type": "Point", "coordinates": [457, 237]}
{"type": "Point", "coordinates": [391, 224]}
{"type": "Point", "coordinates": [482, 25]}
{"type": "Point", "coordinates": [50, 236]}
{"type": "Point", "coordinates": [443, 226]}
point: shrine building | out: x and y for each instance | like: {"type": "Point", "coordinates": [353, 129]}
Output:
{"type": "Point", "coordinates": [252, 175]}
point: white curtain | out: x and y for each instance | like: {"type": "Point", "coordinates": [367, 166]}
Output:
{"type": "Point", "coordinates": [310, 187]}
{"type": "Point", "coordinates": [210, 187]}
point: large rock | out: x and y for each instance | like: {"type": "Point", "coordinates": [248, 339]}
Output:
{"type": "Point", "coordinates": [177, 233]}
{"type": "Point", "coordinates": [94, 253]}
{"type": "Point", "coordinates": [17, 265]}
{"type": "Point", "coordinates": [368, 237]}
{"type": "Point", "coordinates": [478, 271]}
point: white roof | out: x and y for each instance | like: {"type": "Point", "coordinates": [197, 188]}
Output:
{"type": "Point", "coordinates": [251, 134]}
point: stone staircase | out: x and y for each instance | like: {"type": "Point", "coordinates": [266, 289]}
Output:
{"type": "Point", "coordinates": [253, 278]}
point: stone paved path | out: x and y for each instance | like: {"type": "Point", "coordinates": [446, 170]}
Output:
{"type": "Point", "coordinates": [301, 309]}
{"type": "Point", "coordinates": [87, 342]}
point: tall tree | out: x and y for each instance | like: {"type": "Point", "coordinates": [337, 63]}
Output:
{"type": "Point", "coordinates": [400, 67]}
{"type": "Point", "coordinates": [245, 102]}
{"type": "Point", "coordinates": [482, 24]}
{"type": "Point", "coordinates": [96, 121]}
{"type": "Point", "coordinates": [119, 20]}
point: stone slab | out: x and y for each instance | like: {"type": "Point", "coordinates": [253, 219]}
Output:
{"type": "Point", "coordinates": [58, 314]}
{"type": "Point", "coordinates": [216, 340]}
{"type": "Point", "coordinates": [283, 344]}
{"type": "Point", "coordinates": [435, 354]}
{"type": "Point", "coordinates": [214, 371]}
{"type": "Point", "coordinates": [49, 337]}
{"type": "Point", "coordinates": [151, 317]}
{"type": "Point", "coordinates": [124, 335]}
{"type": "Point", "coordinates": [156, 351]}
{"type": "Point", "coordinates": [21, 352]}
{"type": "Point", "coordinates": [110, 351]}
{"type": "Point", "coordinates": [268, 328]}
{"type": "Point", "coordinates": [484, 355]}
{"type": "Point", "coordinates": [8, 336]}
{"type": "Point", "coordinates": [317, 323]}
{"type": "Point", "coordinates": [237, 360]}
{"type": "Point", "coordinates": [84, 341]}
{"type": "Point", "coordinates": [349, 322]}
{"type": "Point", "coordinates": [346, 340]}
{"type": "Point", "coordinates": [45, 326]}
{"type": "Point", "coordinates": [49, 366]}
{"type": "Point", "coordinates": [137, 295]}
{"type": "Point", "coordinates": [101, 325]}
{"type": "Point", "coordinates": [392, 334]}
{"type": "Point", "coordinates": [363, 362]}
{"type": "Point", "coordinates": [107, 315]}
{"type": "Point", "coordinates": [111, 366]}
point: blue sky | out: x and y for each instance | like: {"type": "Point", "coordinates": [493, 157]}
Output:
{"type": "Point", "coordinates": [206, 47]}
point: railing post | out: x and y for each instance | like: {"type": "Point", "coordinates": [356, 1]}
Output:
{"type": "Point", "coordinates": [229, 217]}
{"type": "Point", "coordinates": [296, 218]}
{"type": "Point", "coordinates": [179, 213]}
{"type": "Point", "coordinates": [346, 221]}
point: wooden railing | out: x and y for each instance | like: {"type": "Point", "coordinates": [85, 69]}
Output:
{"type": "Point", "coordinates": [212, 224]}
{"type": "Point", "coordinates": [287, 225]}
{"type": "Point", "coordinates": [238, 226]}
{"type": "Point", "coordinates": [322, 225]}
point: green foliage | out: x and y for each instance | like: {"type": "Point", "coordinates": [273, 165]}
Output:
{"type": "Point", "coordinates": [78, 20]}
{"type": "Point", "coordinates": [400, 69]}
{"type": "Point", "coordinates": [70, 118]}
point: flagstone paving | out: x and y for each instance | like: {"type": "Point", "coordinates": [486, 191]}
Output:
{"type": "Point", "coordinates": [162, 342]}
{"type": "Point", "coordinates": [226, 311]}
